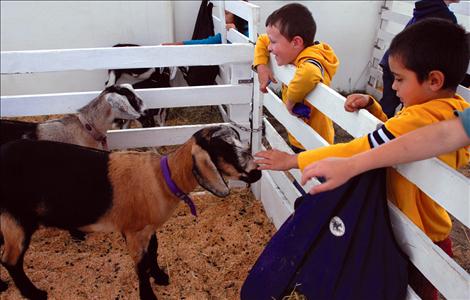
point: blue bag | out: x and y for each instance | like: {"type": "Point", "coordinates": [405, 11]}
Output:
{"type": "Point", "coordinates": [336, 245]}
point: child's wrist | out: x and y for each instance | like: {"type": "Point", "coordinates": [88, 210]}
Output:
{"type": "Point", "coordinates": [370, 102]}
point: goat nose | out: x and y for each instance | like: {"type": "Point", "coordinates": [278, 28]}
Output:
{"type": "Point", "coordinates": [252, 176]}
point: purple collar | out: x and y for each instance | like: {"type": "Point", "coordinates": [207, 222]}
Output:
{"type": "Point", "coordinates": [173, 187]}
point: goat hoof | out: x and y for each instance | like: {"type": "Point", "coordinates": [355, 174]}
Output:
{"type": "Point", "coordinates": [37, 295]}
{"type": "Point", "coordinates": [161, 278]}
{"type": "Point", "coordinates": [3, 286]}
{"type": "Point", "coordinates": [148, 296]}
{"type": "Point", "coordinates": [77, 235]}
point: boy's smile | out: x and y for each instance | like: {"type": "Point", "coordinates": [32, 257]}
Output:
{"type": "Point", "coordinates": [284, 51]}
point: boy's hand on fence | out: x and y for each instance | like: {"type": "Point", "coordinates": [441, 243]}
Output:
{"type": "Point", "coordinates": [265, 76]}
{"type": "Point", "coordinates": [355, 102]}
{"type": "Point", "coordinates": [276, 160]}
{"type": "Point", "coordinates": [290, 107]}
{"type": "Point", "coordinates": [336, 171]}
{"type": "Point", "coordinates": [228, 26]}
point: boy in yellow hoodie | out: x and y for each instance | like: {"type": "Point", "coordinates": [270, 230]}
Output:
{"type": "Point", "coordinates": [290, 33]}
{"type": "Point", "coordinates": [426, 78]}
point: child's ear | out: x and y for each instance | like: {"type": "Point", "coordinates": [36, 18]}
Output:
{"type": "Point", "coordinates": [297, 42]}
{"type": "Point", "coordinates": [436, 80]}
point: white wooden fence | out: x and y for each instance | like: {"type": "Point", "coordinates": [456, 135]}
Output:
{"type": "Point", "coordinates": [393, 17]}
{"type": "Point", "coordinates": [240, 94]}
{"type": "Point", "coordinates": [445, 185]}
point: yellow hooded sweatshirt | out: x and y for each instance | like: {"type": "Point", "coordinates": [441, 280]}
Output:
{"type": "Point", "coordinates": [422, 210]}
{"type": "Point", "coordinates": [316, 63]}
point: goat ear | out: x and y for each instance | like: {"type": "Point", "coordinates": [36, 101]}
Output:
{"type": "Point", "coordinates": [207, 174]}
{"type": "Point", "coordinates": [121, 106]}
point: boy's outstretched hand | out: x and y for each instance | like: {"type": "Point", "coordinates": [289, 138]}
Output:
{"type": "Point", "coordinates": [336, 171]}
{"type": "Point", "coordinates": [276, 160]}
{"type": "Point", "coordinates": [265, 76]}
{"type": "Point", "coordinates": [355, 102]}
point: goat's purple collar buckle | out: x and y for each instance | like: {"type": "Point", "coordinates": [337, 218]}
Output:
{"type": "Point", "coordinates": [173, 187]}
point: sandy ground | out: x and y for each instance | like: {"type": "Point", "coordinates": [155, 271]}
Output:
{"type": "Point", "coordinates": [207, 257]}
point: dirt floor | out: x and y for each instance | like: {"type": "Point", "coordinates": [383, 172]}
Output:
{"type": "Point", "coordinates": [207, 257]}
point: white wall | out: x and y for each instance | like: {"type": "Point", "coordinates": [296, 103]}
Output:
{"type": "Point", "coordinates": [348, 26]}
{"type": "Point", "coordinates": [35, 25]}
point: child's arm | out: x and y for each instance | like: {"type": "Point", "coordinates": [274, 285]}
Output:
{"type": "Point", "coordinates": [306, 78]}
{"type": "Point", "coordinates": [276, 160]}
{"type": "Point", "coordinates": [425, 142]}
{"type": "Point", "coordinates": [260, 61]}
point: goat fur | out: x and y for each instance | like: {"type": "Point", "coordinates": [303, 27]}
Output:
{"type": "Point", "coordinates": [86, 128]}
{"type": "Point", "coordinates": [120, 191]}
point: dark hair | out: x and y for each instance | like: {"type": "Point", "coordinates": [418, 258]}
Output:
{"type": "Point", "coordinates": [433, 44]}
{"type": "Point", "coordinates": [292, 20]}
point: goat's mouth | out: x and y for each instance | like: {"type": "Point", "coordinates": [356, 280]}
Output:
{"type": "Point", "coordinates": [252, 176]}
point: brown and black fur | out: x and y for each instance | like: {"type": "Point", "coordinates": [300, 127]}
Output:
{"type": "Point", "coordinates": [72, 187]}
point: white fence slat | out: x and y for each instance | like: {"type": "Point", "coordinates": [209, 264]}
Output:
{"type": "Point", "coordinates": [274, 202]}
{"type": "Point", "coordinates": [331, 103]}
{"type": "Point", "coordinates": [236, 37]}
{"type": "Point", "coordinates": [464, 92]}
{"type": "Point", "coordinates": [443, 272]}
{"type": "Point", "coordinates": [248, 12]}
{"type": "Point", "coordinates": [31, 105]}
{"type": "Point", "coordinates": [14, 62]}
{"type": "Point", "coordinates": [308, 137]}
{"type": "Point", "coordinates": [443, 184]}
{"type": "Point", "coordinates": [153, 137]}
{"type": "Point", "coordinates": [387, 37]}
{"type": "Point", "coordinates": [395, 17]}
{"type": "Point", "coordinates": [277, 142]}
{"type": "Point", "coordinates": [411, 295]}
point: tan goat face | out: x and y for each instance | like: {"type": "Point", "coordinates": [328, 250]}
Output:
{"type": "Point", "coordinates": [218, 153]}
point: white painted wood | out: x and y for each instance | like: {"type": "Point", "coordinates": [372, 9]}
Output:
{"type": "Point", "coordinates": [308, 137]}
{"type": "Point", "coordinates": [378, 53]}
{"type": "Point", "coordinates": [411, 295]}
{"type": "Point", "coordinates": [395, 17]}
{"type": "Point", "coordinates": [385, 36]}
{"type": "Point", "coordinates": [32, 105]}
{"type": "Point", "coordinates": [464, 92]}
{"type": "Point", "coordinates": [153, 137]}
{"type": "Point", "coordinates": [249, 12]}
{"type": "Point", "coordinates": [331, 103]}
{"type": "Point", "coordinates": [14, 62]}
{"type": "Point", "coordinates": [443, 184]}
{"type": "Point", "coordinates": [220, 6]}
{"type": "Point", "coordinates": [277, 142]}
{"type": "Point", "coordinates": [275, 203]}
{"type": "Point", "coordinates": [373, 92]}
{"type": "Point", "coordinates": [236, 37]}
{"type": "Point", "coordinates": [443, 272]}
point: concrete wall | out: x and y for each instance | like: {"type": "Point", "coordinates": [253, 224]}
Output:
{"type": "Point", "coordinates": [348, 26]}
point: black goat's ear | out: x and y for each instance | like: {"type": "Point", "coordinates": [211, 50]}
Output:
{"type": "Point", "coordinates": [207, 174]}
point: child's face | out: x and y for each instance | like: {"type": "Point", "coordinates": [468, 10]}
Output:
{"type": "Point", "coordinates": [284, 51]}
{"type": "Point", "coordinates": [229, 17]}
{"type": "Point", "coordinates": [406, 84]}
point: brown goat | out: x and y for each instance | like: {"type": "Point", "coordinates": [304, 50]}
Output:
{"type": "Point", "coordinates": [128, 192]}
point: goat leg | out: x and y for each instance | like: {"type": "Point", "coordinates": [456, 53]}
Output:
{"type": "Point", "coordinates": [160, 277]}
{"type": "Point", "coordinates": [16, 243]}
{"type": "Point", "coordinates": [3, 286]}
{"type": "Point", "coordinates": [77, 235]}
{"type": "Point", "coordinates": [138, 244]}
